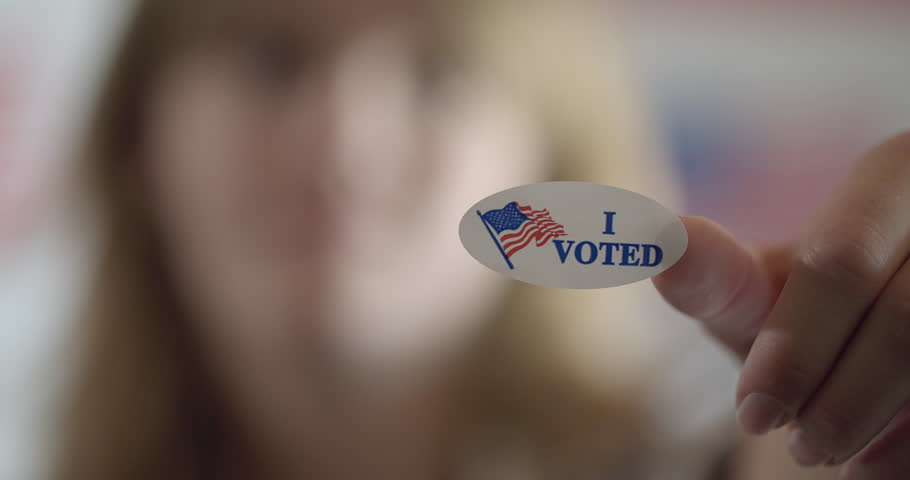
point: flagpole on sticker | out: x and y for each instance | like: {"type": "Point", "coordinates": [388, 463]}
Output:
{"type": "Point", "coordinates": [496, 241]}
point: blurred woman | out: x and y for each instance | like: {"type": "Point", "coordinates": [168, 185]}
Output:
{"type": "Point", "coordinates": [281, 291]}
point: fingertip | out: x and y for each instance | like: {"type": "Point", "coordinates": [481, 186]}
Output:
{"type": "Point", "coordinates": [712, 259]}
{"type": "Point", "coordinates": [668, 276]}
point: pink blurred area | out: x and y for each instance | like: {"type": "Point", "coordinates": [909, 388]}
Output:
{"type": "Point", "coordinates": [765, 105]}
{"type": "Point", "coordinates": [13, 101]}
{"type": "Point", "coordinates": [50, 60]}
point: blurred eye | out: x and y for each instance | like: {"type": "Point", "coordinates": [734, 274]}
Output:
{"type": "Point", "coordinates": [434, 69]}
{"type": "Point", "coordinates": [270, 63]}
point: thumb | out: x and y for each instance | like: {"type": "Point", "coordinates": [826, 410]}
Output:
{"type": "Point", "coordinates": [725, 285]}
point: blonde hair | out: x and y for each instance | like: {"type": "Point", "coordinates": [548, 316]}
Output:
{"type": "Point", "coordinates": [139, 406]}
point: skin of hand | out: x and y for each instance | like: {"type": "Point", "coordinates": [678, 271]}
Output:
{"type": "Point", "coordinates": [822, 324]}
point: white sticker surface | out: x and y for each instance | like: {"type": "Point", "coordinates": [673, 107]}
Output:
{"type": "Point", "coordinates": [573, 235]}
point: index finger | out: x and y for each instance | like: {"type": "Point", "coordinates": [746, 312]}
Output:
{"type": "Point", "coordinates": [728, 287]}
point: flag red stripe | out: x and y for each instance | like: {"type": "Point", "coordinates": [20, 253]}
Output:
{"type": "Point", "coordinates": [521, 231]}
{"type": "Point", "coordinates": [541, 238]}
{"type": "Point", "coordinates": [551, 228]}
{"type": "Point", "coordinates": [530, 232]}
{"type": "Point", "coordinates": [514, 250]}
{"type": "Point", "coordinates": [543, 241]}
{"type": "Point", "coordinates": [532, 228]}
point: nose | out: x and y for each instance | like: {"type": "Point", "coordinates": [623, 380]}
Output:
{"type": "Point", "coordinates": [306, 138]}
{"type": "Point", "coordinates": [376, 110]}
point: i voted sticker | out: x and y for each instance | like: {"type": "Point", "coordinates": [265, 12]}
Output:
{"type": "Point", "coordinates": [573, 235]}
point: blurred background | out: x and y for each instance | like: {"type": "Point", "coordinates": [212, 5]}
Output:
{"type": "Point", "coordinates": [761, 105]}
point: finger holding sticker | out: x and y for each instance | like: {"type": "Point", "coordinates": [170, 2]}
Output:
{"type": "Point", "coordinates": [726, 285]}
{"type": "Point", "coordinates": [823, 324]}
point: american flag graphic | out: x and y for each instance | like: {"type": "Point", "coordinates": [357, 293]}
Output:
{"type": "Point", "coordinates": [516, 226]}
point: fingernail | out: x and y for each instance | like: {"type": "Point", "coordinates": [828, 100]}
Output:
{"type": "Point", "coordinates": [760, 413]}
{"type": "Point", "coordinates": [803, 452]}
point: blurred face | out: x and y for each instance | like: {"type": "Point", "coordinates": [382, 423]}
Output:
{"type": "Point", "coordinates": [308, 172]}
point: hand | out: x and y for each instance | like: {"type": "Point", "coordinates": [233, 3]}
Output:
{"type": "Point", "coordinates": [822, 324]}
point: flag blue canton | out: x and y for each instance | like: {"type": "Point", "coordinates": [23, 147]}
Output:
{"type": "Point", "coordinates": [507, 218]}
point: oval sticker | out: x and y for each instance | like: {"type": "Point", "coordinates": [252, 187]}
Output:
{"type": "Point", "coordinates": [573, 235]}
